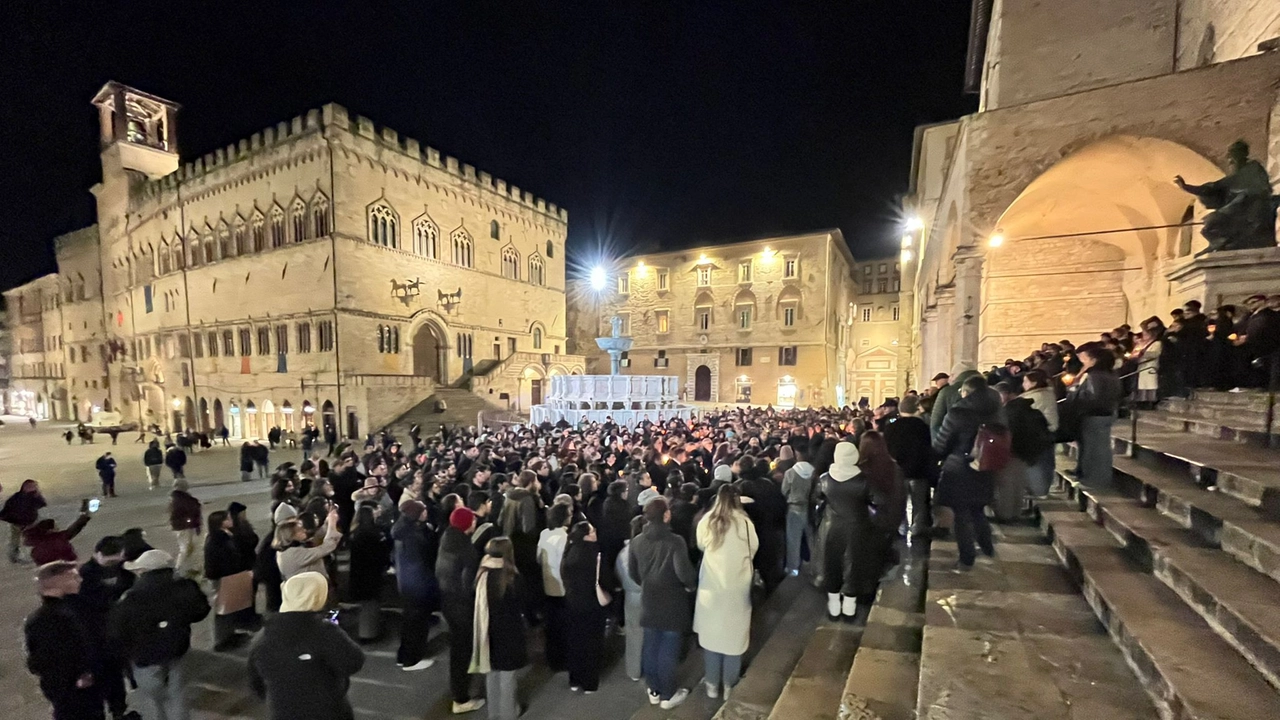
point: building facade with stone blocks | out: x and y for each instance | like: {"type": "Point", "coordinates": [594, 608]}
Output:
{"type": "Point", "coordinates": [765, 321]}
{"type": "Point", "coordinates": [34, 319]}
{"type": "Point", "coordinates": [323, 269]}
{"type": "Point", "coordinates": [873, 357]}
{"type": "Point", "coordinates": [1051, 212]}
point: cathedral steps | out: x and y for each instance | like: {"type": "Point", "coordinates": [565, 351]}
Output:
{"type": "Point", "coordinates": [463, 407]}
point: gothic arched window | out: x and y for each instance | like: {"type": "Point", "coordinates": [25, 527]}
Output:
{"type": "Point", "coordinates": [462, 248]}
{"type": "Point", "coordinates": [298, 220]}
{"type": "Point", "coordinates": [537, 271]}
{"type": "Point", "coordinates": [510, 263]}
{"type": "Point", "coordinates": [426, 238]}
{"type": "Point", "coordinates": [277, 226]}
{"type": "Point", "coordinates": [258, 227]}
{"type": "Point", "coordinates": [320, 215]}
{"type": "Point", "coordinates": [384, 224]}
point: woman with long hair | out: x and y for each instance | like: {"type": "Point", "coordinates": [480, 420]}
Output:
{"type": "Point", "coordinates": [499, 647]}
{"type": "Point", "coordinates": [722, 613]}
{"type": "Point", "coordinates": [888, 492]}
{"type": "Point", "coordinates": [223, 567]}
{"type": "Point", "coordinates": [585, 603]}
{"type": "Point", "coordinates": [1148, 356]}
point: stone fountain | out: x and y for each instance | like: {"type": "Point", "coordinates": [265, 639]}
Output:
{"type": "Point", "coordinates": [624, 399]}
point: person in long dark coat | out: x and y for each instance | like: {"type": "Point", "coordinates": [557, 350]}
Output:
{"type": "Point", "coordinates": [370, 558]}
{"type": "Point", "coordinates": [222, 559]}
{"type": "Point", "coordinates": [850, 571]}
{"type": "Point", "coordinates": [500, 646]}
{"type": "Point", "coordinates": [888, 493]}
{"type": "Point", "coordinates": [961, 487]}
{"type": "Point", "coordinates": [768, 512]}
{"type": "Point", "coordinates": [580, 574]}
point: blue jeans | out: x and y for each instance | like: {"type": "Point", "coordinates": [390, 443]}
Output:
{"type": "Point", "coordinates": [1095, 450]}
{"type": "Point", "coordinates": [160, 687]}
{"type": "Point", "coordinates": [661, 658]}
{"type": "Point", "coordinates": [1040, 475]}
{"type": "Point", "coordinates": [721, 669]}
{"type": "Point", "coordinates": [797, 529]}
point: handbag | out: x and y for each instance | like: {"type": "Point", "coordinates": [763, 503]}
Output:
{"type": "Point", "coordinates": [757, 580]}
{"type": "Point", "coordinates": [602, 595]}
{"type": "Point", "coordinates": [235, 593]}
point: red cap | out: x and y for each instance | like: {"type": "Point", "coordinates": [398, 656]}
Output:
{"type": "Point", "coordinates": [461, 518]}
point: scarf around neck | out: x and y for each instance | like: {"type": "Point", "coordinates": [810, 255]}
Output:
{"type": "Point", "coordinates": [480, 638]}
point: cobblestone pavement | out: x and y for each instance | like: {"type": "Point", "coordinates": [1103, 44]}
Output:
{"type": "Point", "coordinates": [218, 682]}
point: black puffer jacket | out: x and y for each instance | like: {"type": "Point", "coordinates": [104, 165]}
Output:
{"type": "Point", "coordinates": [961, 485]}
{"type": "Point", "coordinates": [303, 665]}
{"type": "Point", "coordinates": [456, 565]}
{"type": "Point", "coordinates": [152, 622]}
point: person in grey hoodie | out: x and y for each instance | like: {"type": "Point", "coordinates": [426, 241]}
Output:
{"type": "Point", "coordinates": [797, 483]}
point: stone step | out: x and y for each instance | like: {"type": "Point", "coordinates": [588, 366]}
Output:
{"type": "Point", "coordinates": [1250, 398]}
{"type": "Point", "coordinates": [1241, 604]}
{"type": "Point", "coordinates": [1188, 669]}
{"type": "Point", "coordinates": [884, 680]}
{"type": "Point", "coordinates": [1251, 475]}
{"type": "Point", "coordinates": [1251, 431]}
{"type": "Point", "coordinates": [813, 689]}
{"type": "Point", "coordinates": [1014, 638]}
{"type": "Point", "coordinates": [1192, 408]}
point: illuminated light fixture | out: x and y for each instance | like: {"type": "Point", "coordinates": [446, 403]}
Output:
{"type": "Point", "coordinates": [641, 268]}
{"type": "Point", "coordinates": [177, 404]}
{"type": "Point", "coordinates": [996, 240]}
{"type": "Point", "coordinates": [907, 241]}
{"type": "Point", "coordinates": [914, 223]}
{"type": "Point", "coordinates": [598, 278]}
{"type": "Point", "coordinates": [97, 409]}
{"type": "Point", "coordinates": [308, 409]}
{"type": "Point", "coordinates": [743, 378]}
{"type": "Point", "coordinates": [907, 255]}
{"type": "Point", "coordinates": [768, 253]}
{"type": "Point", "coordinates": [702, 258]}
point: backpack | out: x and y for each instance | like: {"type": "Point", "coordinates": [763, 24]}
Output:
{"type": "Point", "coordinates": [992, 447]}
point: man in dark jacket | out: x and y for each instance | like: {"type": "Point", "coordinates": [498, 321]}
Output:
{"type": "Point", "coordinates": [21, 510]}
{"type": "Point", "coordinates": [907, 436]}
{"type": "Point", "coordinates": [176, 460]}
{"type": "Point", "coordinates": [1029, 439]}
{"type": "Point", "coordinates": [153, 459]}
{"type": "Point", "coordinates": [456, 567]}
{"type": "Point", "coordinates": [106, 467]}
{"type": "Point", "coordinates": [659, 562]}
{"type": "Point", "coordinates": [152, 626]}
{"type": "Point", "coordinates": [103, 582]}
{"type": "Point", "coordinates": [768, 512]}
{"type": "Point", "coordinates": [962, 488]}
{"type": "Point", "coordinates": [62, 650]}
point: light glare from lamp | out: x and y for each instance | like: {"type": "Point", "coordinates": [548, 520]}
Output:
{"type": "Point", "coordinates": [598, 278]}
{"type": "Point", "coordinates": [906, 256]}
{"type": "Point", "coordinates": [996, 240]}
{"type": "Point", "coordinates": [914, 223]}
{"type": "Point", "coordinates": [907, 241]}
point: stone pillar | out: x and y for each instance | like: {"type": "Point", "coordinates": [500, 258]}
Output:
{"type": "Point", "coordinates": [968, 299]}
{"type": "Point", "coordinates": [944, 332]}
{"type": "Point", "coordinates": [923, 364]}
{"type": "Point", "coordinates": [1227, 276]}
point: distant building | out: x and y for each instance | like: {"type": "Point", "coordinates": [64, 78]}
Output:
{"type": "Point", "coordinates": [873, 366]}
{"type": "Point", "coordinates": [769, 321]}
{"type": "Point", "coordinates": [322, 270]}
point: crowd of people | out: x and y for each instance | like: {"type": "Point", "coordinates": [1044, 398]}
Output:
{"type": "Point", "coordinates": [541, 544]}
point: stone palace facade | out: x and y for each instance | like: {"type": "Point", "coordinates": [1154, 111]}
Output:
{"type": "Point", "coordinates": [1052, 211]}
{"type": "Point", "coordinates": [324, 268]}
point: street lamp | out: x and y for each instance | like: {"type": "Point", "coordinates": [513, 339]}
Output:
{"type": "Point", "coordinates": [914, 223]}
{"type": "Point", "coordinates": [996, 240]}
{"type": "Point", "coordinates": [598, 278]}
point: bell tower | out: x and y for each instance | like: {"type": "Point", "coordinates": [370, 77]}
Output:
{"type": "Point", "coordinates": [137, 132]}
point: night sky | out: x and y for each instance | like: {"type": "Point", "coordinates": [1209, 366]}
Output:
{"type": "Point", "coordinates": [655, 124]}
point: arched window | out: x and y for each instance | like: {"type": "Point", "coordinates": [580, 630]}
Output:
{"type": "Point", "coordinates": [179, 252]}
{"type": "Point", "coordinates": [210, 251]}
{"type": "Point", "coordinates": [537, 338]}
{"type": "Point", "coordinates": [382, 338]}
{"type": "Point", "coordinates": [537, 271]}
{"type": "Point", "coordinates": [495, 231]}
{"type": "Point", "coordinates": [258, 229]}
{"type": "Point", "coordinates": [383, 225]}
{"type": "Point", "coordinates": [320, 215]}
{"type": "Point", "coordinates": [277, 226]}
{"type": "Point", "coordinates": [225, 248]}
{"type": "Point", "coordinates": [426, 238]}
{"type": "Point", "coordinates": [551, 249]}
{"type": "Point", "coordinates": [162, 258]}
{"type": "Point", "coordinates": [462, 250]}
{"type": "Point", "coordinates": [510, 263]}
{"type": "Point", "coordinates": [193, 249]}
{"type": "Point", "coordinates": [298, 220]}
{"type": "Point", "coordinates": [240, 233]}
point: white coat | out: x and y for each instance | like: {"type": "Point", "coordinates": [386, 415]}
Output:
{"type": "Point", "coordinates": [722, 615]}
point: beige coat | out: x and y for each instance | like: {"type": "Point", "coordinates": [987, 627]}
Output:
{"type": "Point", "coordinates": [296, 560]}
{"type": "Point", "coordinates": [722, 615]}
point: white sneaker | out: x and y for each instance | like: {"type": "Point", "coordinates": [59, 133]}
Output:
{"type": "Point", "coordinates": [420, 665]}
{"type": "Point", "coordinates": [469, 706]}
{"type": "Point", "coordinates": [833, 605]}
{"type": "Point", "coordinates": [713, 691]}
{"type": "Point", "coordinates": [675, 700]}
{"type": "Point", "coordinates": [654, 698]}
{"type": "Point", "coordinates": [726, 693]}
{"type": "Point", "coordinates": [1236, 390]}
{"type": "Point", "coordinates": [848, 606]}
